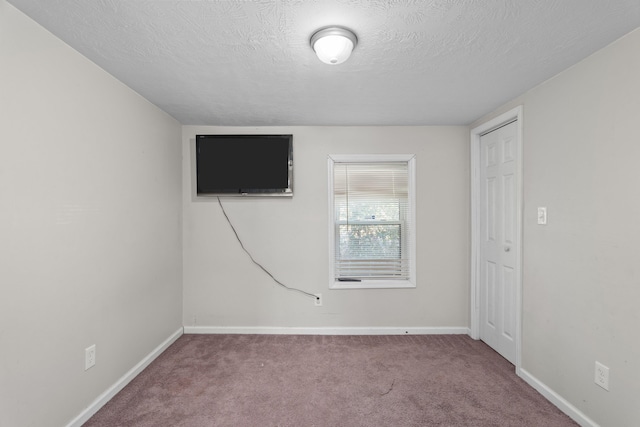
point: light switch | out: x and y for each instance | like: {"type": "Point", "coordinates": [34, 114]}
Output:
{"type": "Point", "coordinates": [542, 215]}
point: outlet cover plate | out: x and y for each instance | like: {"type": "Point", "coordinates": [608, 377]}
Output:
{"type": "Point", "coordinates": [89, 357]}
{"type": "Point", "coordinates": [602, 376]}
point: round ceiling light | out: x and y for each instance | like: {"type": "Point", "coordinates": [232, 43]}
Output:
{"type": "Point", "coordinates": [333, 45]}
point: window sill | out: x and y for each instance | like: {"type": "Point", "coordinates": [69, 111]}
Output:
{"type": "Point", "coordinates": [373, 284]}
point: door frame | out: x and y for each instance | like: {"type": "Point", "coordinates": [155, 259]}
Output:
{"type": "Point", "coordinates": [516, 114]}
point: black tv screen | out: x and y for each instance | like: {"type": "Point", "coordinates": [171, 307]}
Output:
{"type": "Point", "coordinates": [244, 165]}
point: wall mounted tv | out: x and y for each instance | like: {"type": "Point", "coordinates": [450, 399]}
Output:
{"type": "Point", "coordinates": [244, 165]}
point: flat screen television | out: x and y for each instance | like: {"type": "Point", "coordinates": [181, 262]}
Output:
{"type": "Point", "coordinates": [244, 165]}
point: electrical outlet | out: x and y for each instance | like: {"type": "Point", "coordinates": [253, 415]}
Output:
{"type": "Point", "coordinates": [318, 301]}
{"type": "Point", "coordinates": [89, 357]}
{"type": "Point", "coordinates": [602, 376]}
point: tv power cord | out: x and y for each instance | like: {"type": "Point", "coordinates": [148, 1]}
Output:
{"type": "Point", "coordinates": [257, 263]}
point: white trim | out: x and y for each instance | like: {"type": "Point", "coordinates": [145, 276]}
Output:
{"type": "Point", "coordinates": [372, 158]}
{"type": "Point", "coordinates": [282, 330]}
{"type": "Point", "coordinates": [123, 381]}
{"type": "Point", "coordinates": [515, 114]}
{"type": "Point", "coordinates": [331, 207]}
{"type": "Point", "coordinates": [574, 413]}
{"type": "Point", "coordinates": [372, 284]}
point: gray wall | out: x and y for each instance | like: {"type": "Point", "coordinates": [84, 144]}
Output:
{"type": "Point", "coordinates": [290, 237]}
{"type": "Point", "coordinates": [90, 246]}
{"type": "Point", "coordinates": [581, 277]}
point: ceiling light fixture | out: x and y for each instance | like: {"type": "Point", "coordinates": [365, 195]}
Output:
{"type": "Point", "coordinates": [333, 45]}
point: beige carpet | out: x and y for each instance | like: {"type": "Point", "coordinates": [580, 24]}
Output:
{"type": "Point", "coordinates": [284, 380]}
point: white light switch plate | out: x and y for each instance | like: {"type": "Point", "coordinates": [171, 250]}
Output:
{"type": "Point", "coordinates": [542, 215]}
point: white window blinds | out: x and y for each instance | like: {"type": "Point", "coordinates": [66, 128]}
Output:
{"type": "Point", "coordinates": [372, 220]}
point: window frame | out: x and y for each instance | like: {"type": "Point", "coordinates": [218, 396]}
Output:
{"type": "Point", "coordinates": [410, 159]}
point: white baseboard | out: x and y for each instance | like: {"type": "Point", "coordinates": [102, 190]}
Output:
{"type": "Point", "coordinates": [122, 382]}
{"type": "Point", "coordinates": [574, 413]}
{"type": "Point", "coordinates": [275, 330]}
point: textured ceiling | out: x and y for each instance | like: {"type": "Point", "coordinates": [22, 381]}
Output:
{"type": "Point", "coordinates": [239, 62]}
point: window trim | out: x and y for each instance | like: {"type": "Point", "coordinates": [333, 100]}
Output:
{"type": "Point", "coordinates": [411, 245]}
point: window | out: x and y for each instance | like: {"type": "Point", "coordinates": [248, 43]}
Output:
{"type": "Point", "coordinates": [372, 221]}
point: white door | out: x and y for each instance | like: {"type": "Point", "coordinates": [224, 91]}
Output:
{"type": "Point", "coordinates": [499, 240]}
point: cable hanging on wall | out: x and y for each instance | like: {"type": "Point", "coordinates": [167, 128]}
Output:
{"type": "Point", "coordinates": [256, 262]}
